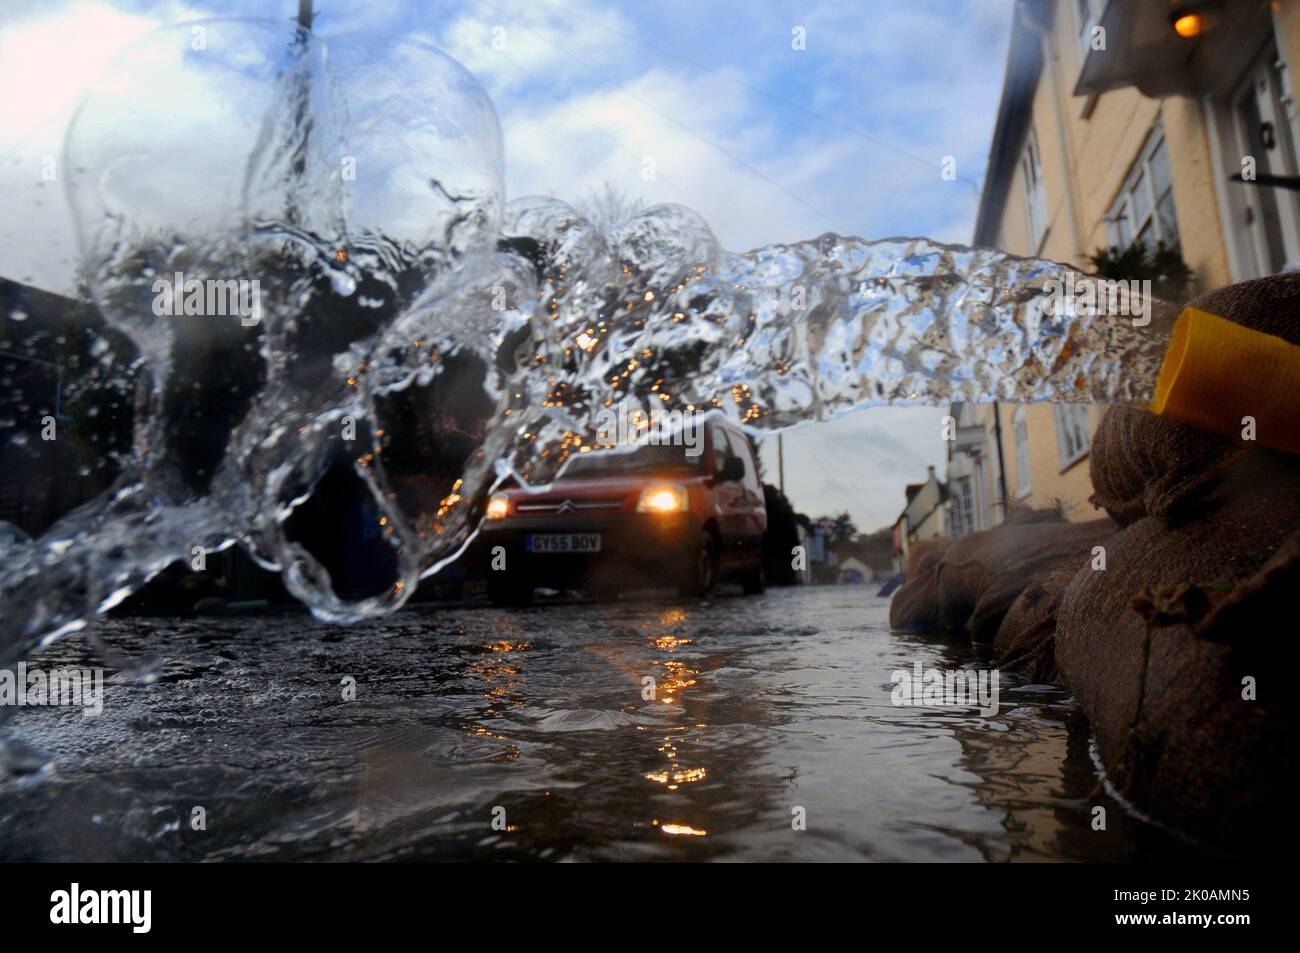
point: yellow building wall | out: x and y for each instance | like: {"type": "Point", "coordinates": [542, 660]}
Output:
{"type": "Point", "coordinates": [1102, 148]}
{"type": "Point", "coordinates": [1286, 19]}
{"type": "Point", "coordinates": [931, 527]}
{"type": "Point", "coordinates": [1195, 201]}
{"type": "Point", "coordinates": [1048, 480]}
{"type": "Point", "coordinates": [1086, 159]}
{"type": "Point", "coordinates": [1058, 243]}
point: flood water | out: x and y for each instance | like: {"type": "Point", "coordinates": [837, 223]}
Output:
{"type": "Point", "coordinates": [762, 705]}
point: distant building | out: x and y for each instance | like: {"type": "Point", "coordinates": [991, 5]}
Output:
{"type": "Point", "coordinates": [975, 500]}
{"type": "Point", "coordinates": [1006, 455]}
{"type": "Point", "coordinates": [1112, 129]}
{"type": "Point", "coordinates": [922, 517]}
{"type": "Point", "coordinates": [854, 572]}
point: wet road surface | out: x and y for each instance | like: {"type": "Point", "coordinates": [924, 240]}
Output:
{"type": "Point", "coordinates": [766, 711]}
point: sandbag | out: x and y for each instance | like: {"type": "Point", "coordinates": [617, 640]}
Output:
{"type": "Point", "coordinates": [990, 574]}
{"type": "Point", "coordinates": [914, 605]}
{"type": "Point", "coordinates": [968, 585]}
{"type": "Point", "coordinates": [1144, 465]}
{"type": "Point", "coordinates": [1156, 648]}
{"type": "Point", "coordinates": [1026, 639]}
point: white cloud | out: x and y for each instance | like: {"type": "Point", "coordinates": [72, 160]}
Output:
{"type": "Point", "coordinates": [512, 44]}
{"type": "Point", "coordinates": [695, 133]}
{"type": "Point", "coordinates": [585, 93]}
{"type": "Point", "coordinates": [47, 62]}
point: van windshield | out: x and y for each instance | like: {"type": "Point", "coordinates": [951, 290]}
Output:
{"type": "Point", "coordinates": [644, 459]}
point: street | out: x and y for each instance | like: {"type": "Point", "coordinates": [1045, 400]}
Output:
{"type": "Point", "coordinates": [482, 733]}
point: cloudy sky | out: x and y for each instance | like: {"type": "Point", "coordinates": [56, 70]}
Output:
{"type": "Point", "coordinates": [768, 141]}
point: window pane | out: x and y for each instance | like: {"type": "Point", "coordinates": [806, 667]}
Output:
{"type": "Point", "coordinates": [1022, 455]}
{"type": "Point", "coordinates": [1079, 416]}
{"type": "Point", "coordinates": [1147, 236]}
{"type": "Point", "coordinates": [740, 448]}
{"type": "Point", "coordinates": [1124, 224]}
{"type": "Point", "coordinates": [1141, 199]}
{"type": "Point", "coordinates": [1168, 220]}
{"type": "Point", "coordinates": [1035, 196]}
{"type": "Point", "coordinates": [1072, 431]}
{"type": "Point", "coordinates": [1160, 169]}
{"type": "Point", "coordinates": [720, 449]}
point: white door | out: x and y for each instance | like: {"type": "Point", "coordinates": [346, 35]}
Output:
{"type": "Point", "coordinates": [1270, 216]}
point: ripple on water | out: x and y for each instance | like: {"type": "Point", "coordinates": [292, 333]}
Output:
{"type": "Point", "coordinates": [454, 720]}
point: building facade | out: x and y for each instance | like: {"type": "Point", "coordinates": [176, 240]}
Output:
{"type": "Point", "coordinates": [1113, 129]}
{"type": "Point", "coordinates": [924, 517]}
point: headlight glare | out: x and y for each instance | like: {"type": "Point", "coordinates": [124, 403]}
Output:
{"type": "Point", "coordinates": [666, 498]}
{"type": "Point", "coordinates": [498, 507]}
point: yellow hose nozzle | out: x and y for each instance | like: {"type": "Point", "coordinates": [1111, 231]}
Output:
{"type": "Point", "coordinates": [1226, 378]}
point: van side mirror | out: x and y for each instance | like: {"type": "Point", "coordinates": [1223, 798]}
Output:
{"type": "Point", "coordinates": [733, 468]}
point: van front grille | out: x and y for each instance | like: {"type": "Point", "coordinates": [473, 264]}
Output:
{"type": "Point", "coordinates": [568, 506]}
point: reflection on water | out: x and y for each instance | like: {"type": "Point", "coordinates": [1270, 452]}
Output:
{"type": "Point", "coordinates": [640, 730]}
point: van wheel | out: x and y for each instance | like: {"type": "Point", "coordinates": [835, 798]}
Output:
{"type": "Point", "coordinates": [702, 573]}
{"type": "Point", "coordinates": [754, 581]}
{"type": "Point", "coordinates": [505, 592]}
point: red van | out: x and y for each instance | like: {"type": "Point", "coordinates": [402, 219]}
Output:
{"type": "Point", "coordinates": [652, 516]}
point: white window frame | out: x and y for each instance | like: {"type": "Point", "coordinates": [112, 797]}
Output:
{"type": "Point", "coordinates": [960, 517]}
{"type": "Point", "coordinates": [1020, 437]}
{"type": "Point", "coordinates": [1031, 172]}
{"type": "Point", "coordinates": [1073, 433]}
{"type": "Point", "coordinates": [1141, 176]}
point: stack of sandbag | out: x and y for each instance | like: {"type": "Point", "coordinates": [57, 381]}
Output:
{"type": "Point", "coordinates": [1177, 649]}
{"type": "Point", "coordinates": [969, 584]}
{"type": "Point", "coordinates": [914, 605]}
{"type": "Point", "coordinates": [1026, 639]}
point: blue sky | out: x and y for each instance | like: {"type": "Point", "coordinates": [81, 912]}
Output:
{"type": "Point", "coordinates": [768, 142]}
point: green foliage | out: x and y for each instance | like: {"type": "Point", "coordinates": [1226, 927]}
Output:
{"type": "Point", "coordinates": [1162, 264]}
{"type": "Point", "coordinates": [843, 528]}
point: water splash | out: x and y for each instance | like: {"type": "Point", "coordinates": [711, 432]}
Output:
{"type": "Point", "coordinates": [429, 339]}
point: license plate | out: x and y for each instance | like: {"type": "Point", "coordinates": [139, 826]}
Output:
{"type": "Point", "coordinates": [563, 543]}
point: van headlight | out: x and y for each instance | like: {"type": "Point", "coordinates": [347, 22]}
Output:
{"type": "Point", "coordinates": [498, 507]}
{"type": "Point", "coordinates": [663, 498]}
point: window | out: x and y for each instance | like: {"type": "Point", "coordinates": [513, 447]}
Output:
{"type": "Point", "coordinates": [1072, 435]}
{"type": "Point", "coordinates": [720, 449]}
{"type": "Point", "coordinates": [740, 447]}
{"type": "Point", "coordinates": [1031, 169]}
{"type": "Point", "coordinates": [1144, 210]}
{"type": "Point", "coordinates": [1021, 432]}
{"type": "Point", "coordinates": [961, 513]}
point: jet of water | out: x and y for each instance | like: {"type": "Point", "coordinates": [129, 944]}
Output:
{"type": "Point", "coordinates": [430, 339]}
